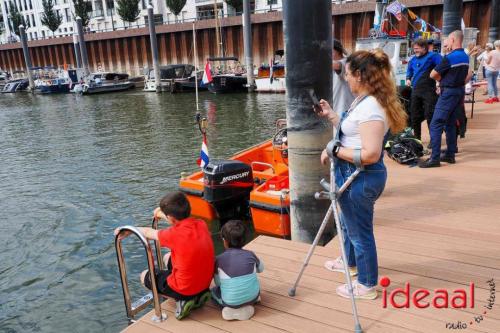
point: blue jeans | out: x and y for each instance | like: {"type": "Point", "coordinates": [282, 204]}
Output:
{"type": "Point", "coordinates": [445, 117]}
{"type": "Point", "coordinates": [356, 216]}
{"type": "Point", "coordinates": [491, 78]}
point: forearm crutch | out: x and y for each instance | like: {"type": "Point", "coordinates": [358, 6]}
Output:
{"type": "Point", "coordinates": [331, 194]}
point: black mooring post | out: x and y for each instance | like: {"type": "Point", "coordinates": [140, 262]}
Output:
{"type": "Point", "coordinates": [27, 57]}
{"type": "Point", "coordinates": [83, 47]}
{"type": "Point", "coordinates": [154, 47]}
{"type": "Point", "coordinates": [76, 47]}
{"type": "Point", "coordinates": [247, 44]}
{"type": "Point", "coordinates": [494, 32]}
{"type": "Point", "coordinates": [307, 26]}
{"type": "Point", "coordinates": [452, 16]}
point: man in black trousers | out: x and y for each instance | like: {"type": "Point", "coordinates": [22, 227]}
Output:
{"type": "Point", "coordinates": [423, 95]}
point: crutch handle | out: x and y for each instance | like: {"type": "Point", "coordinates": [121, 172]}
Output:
{"type": "Point", "coordinates": [325, 184]}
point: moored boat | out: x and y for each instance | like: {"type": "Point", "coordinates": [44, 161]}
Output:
{"type": "Point", "coordinates": [4, 78]}
{"type": "Point", "coordinates": [174, 78]}
{"type": "Point", "coordinates": [271, 77]}
{"type": "Point", "coordinates": [251, 184]}
{"type": "Point", "coordinates": [15, 85]}
{"type": "Point", "coordinates": [227, 80]}
{"type": "Point", "coordinates": [49, 80]}
{"type": "Point", "coordinates": [105, 82]}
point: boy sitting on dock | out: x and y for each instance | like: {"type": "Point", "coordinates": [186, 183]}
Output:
{"type": "Point", "coordinates": [237, 287]}
{"type": "Point", "coordinates": [190, 263]}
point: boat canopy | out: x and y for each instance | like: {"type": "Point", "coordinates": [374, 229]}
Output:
{"type": "Point", "coordinates": [222, 58]}
{"type": "Point", "coordinates": [109, 76]}
{"type": "Point", "coordinates": [178, 71]}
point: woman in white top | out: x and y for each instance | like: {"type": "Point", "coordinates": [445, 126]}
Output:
{"type": "Point", "coordinates": [360, 138]}
{"type": "Point", "coordinates": [492, 65]}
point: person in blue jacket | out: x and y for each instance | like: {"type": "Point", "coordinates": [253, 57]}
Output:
{"type": "Point", "coordinates": [452, 74]}
{"type": "Point", "coordinates": [423, 95]}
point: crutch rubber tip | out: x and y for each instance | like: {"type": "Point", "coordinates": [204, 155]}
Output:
{"type": "Point", "coordinates": [358, 329]}
{"type": "Point", "coordinates": [291, 292]}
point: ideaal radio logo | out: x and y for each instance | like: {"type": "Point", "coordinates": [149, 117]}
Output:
{"type": "Point", "coordinates": [422, 298]}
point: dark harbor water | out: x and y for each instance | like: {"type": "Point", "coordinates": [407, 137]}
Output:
{"type": "Point", "coordinates": [72, 168]}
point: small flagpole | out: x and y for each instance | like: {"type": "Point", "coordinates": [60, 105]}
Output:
{"type": "Point", "coordinates": [195, 67]}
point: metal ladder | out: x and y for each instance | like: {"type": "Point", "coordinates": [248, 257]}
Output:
{"type": "Point", "coordinates": [132, 308]}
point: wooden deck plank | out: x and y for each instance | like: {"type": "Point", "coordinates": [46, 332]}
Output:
{"type": "Point", "coordinates": [326, 287]}
{"type": "Point", "coordinates": [212, 317]}
{"type": "Point", "coordinates": [173, 325]}
{"type": "Point", "coordinates": [324, 283]}
{"type": "Point", "coordinates": [444, 241]}
{"type": "Point", "coordinates": [141, 327]}
{"type": "Point", "coordinates": [445, 270]}
{"type": "Point", "coordinates": [279, 257]}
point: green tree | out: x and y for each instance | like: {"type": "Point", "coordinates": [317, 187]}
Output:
{"type": "Point", "coordinates": [83, 9]}
{"type": "Point", "coordinates": [236, 4]}
{"type": "Point", "coordinates": [128, 10]}
{"type": "Point", "coordinates": [176, 6]}
{"type": "Point", "coordinates": [16, 18]}
{"type": "Point", "coordinates": [50, 17]}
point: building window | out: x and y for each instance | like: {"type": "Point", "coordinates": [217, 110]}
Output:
{"type": "Point", "coordinates": [66, 12]}
{"type": "Point", "coordinates": [36, 35]}
{"type": "Point", "coordinates": [25, 5]}
{"type": "Point", "coordinates": [33, 20]}
{"type": "Point", "coordinates": [207, 12]}
{"type": "Point", "coordinates": [70, 28]}
{"type": "Point", "coordinates": [43, 33]}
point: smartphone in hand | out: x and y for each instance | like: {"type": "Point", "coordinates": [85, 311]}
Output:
{"type": "Point", "coordinates": [316, 106]}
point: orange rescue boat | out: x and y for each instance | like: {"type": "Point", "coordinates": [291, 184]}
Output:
{"type": "Point", "coordinates": [251, 184]}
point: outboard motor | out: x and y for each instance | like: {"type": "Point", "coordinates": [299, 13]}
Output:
{"type": "Point", "coordinates": [228, 184]}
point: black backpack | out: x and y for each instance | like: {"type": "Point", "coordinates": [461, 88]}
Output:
{"type": "Point", "coordinates": [404, 147]}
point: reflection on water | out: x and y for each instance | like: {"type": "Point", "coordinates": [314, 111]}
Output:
{"type": "Point", "coordinates": [75, 167]}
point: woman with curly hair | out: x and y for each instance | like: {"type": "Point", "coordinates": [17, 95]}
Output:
{"type": "Point", "coordinates": [360, 138]}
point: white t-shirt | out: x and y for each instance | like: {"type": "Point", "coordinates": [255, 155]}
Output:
{"type": "Point", "coordinates": [367, 110]}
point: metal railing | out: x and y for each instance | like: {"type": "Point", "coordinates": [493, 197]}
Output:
{"type": "Point", "coordinates": [159, 258]}
{"type": "Point", "coordinates": [133, 308]}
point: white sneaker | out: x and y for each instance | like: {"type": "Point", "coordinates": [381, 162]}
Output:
{"type": "Point", "coordinates": [359, 291]}
{"type": "Point", "coordinates": [337, 265]}
{"type": "Point", "coordinates": [243, 313]}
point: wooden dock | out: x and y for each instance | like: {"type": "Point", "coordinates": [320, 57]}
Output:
{"type": "Point", "coordinates": [435, 228]}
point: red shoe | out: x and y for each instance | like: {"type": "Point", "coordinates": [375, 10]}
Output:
{"type": "Point", "coordinates": [489, 100]}
{"type": "Point", "coordinates": [495, 100]}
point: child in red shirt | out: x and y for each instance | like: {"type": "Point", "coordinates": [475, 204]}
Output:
{"type": "Point", "coordinates": [190, 263]}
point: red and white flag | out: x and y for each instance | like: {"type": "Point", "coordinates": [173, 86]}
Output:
{"type": "Point", "coordinates": [204, 158]}
{"type": "Point", "coordinates": [207, 74]}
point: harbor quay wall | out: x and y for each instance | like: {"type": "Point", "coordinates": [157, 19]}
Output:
{"type": "Point", "coordinates": [129, 50]}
